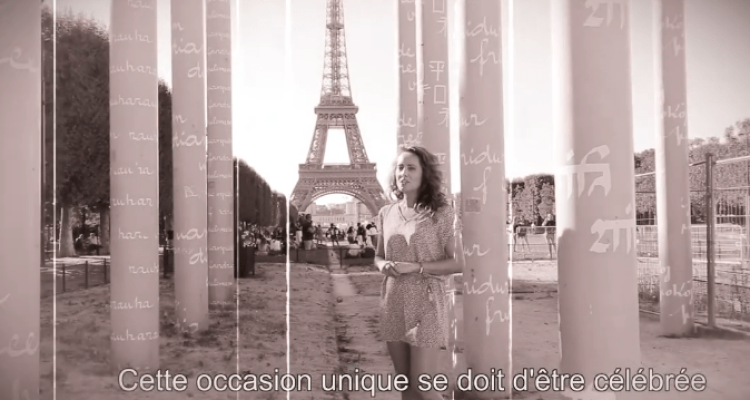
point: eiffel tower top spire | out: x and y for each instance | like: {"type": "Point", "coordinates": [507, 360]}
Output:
{"type": "Point", "coordinates": [336, 90]}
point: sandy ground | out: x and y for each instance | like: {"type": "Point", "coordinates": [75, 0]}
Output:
{"type": "Point", "coordinates": [312, 320]}
{"type": "Point", "coordinates": [83, 327]}
{"type": "Point", "coordinates": [723, 359]}
{"type": "Point", "coordinates": [545, 272]}
{"type": "Point", "coordinates": [333, 317]}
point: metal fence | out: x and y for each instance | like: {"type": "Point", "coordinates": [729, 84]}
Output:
{"type": "Point", "coordinates": [719, 238]}
{"type": "Point", "coordinates": [73, 277]}
{"type": "Point", "coordinates": [62, 278]}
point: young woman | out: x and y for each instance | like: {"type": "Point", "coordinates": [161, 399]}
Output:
{"type": "Point", "coordinates": [416, 254]}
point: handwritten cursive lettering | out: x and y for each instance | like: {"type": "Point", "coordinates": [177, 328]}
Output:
{"type": "Point", "coordinates": [189, 141]}
{"type": "Point", "coordinates": [188, 48]}
{"type": "Point", "coordinates": [483, 58]}
{"type": "Point", "coordinates": [217, 121]}
{"type": "Point", "coordinates": [198, 257]}
{"type": "Point", "coordinates": [499, 314]}
{"type": "Point", "coordinates": [482, 28]}
{"type": "Point", "coordinates": [133, 101]}
{"type": "Point", "coordinates": [494, 289]}
{"type": "Point", "coordinates": [191, 234]}
{"type": "Point", "coordinates": [15, 349]}
{"type": "Point", "coordinates": [139, 269]}
{"type": "Point", "coordinates": [472, 120]}
{"type": "Point", "coordinates": [137, 235]}
{"type": "Point", "coordinates": [134, 37]}
{"type": "Point", "coordinates": [140, 201]}
{"type": "Point", "coordinates": [475, 249]}
{"type": "Point", "coordinates": [484, 156]}
{"type": "Point", "coordinates": [142, 336]}
{"type": "Point", "coordinates": [483, 185]}
{"type": "Point", "coordinates": [134, 305]}
{"type": "Point", "coordinates": [128, 67]}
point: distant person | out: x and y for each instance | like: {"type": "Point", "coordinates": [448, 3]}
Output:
{"type": "Point", "coordinates": [549, 224]}
{"type": "Point", "coordinates": [372, 234]}
{"type": "Point", "coordinates": [94, 244]}
{"type": "Point", "coordinates": [319, 236]}
{"type": "Point", "coordinates": [350, 235]}
{"type": "Point", "coordinates": [361, 234]}
{"type": "Point", "coordinates": [334, 232]}
{"type": "Point", "coordinates": [308, 232]}
{"type": "Point", "coordinates": [298, 233]}
{"type": "Point", "coordinates": [521, 229]}
{"type": "Point", "coordinates": [78, 244]}
{"type": "Point", "coordinates": [416, 253]}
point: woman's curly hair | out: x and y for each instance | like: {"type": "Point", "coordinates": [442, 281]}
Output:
{"type": "Point", "coordinates": [430, 197]}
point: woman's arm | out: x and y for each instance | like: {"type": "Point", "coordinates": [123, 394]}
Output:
{"type": "Point", "coordinates": [380, 260]}
{"type": "Point", "coordinates": [453, 262]}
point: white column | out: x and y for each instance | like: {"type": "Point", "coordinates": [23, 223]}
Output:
{"type": "Point", "coordinates": [220, 165]}
{"type": "Point", "coordinates": [407, 134]}
{"type": "Point", "coordinates": [435, 121]}
{"type": "Point", "coordinates": [434, 118]}
{"type": "Point", "coordinates": [20, 177]}
{"type": "Point", "coordinates": [672, 170]}
{"type": "Point", "coordinates": [189, 164]}
{"type": "Point", "coordinates": [594, 190]}
{"type": "Point", "coordinates": [134, 186]}
{"type": "Point", "coordinates": [486, 295]}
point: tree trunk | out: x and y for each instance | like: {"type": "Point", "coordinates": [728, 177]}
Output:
{"type": "Point", "coordinates": [104, 230]}
{"type": "Point", "coordinates": [66, 232]}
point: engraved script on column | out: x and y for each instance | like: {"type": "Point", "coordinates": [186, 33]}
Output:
{"type": "Point", "coordinates": [580, 171]}
{"type": "Point", "coordinates": [675, 25]}
{"type": "Point", "coordinates": [129, 177]}
{"type": "Point", "coordinates": [594, 19]}
{"type": "Point", "coordinates": [220, 237]}
{"type": "Point", "coordinates": [627, 224]}
{"type": "Point", "coordinates": [407, 126]}
{"type": "Point", "coordinates": [189, 145]}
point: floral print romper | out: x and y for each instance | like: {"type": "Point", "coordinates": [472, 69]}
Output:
{"type": "Point", "coordinates": [413, 306]}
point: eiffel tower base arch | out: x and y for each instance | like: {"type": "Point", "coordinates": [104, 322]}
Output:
{"type": "Point", "coordinates": [358, 181]}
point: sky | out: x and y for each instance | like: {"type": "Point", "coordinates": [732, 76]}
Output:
{"type": "Point", "coordinates": [278, 66]}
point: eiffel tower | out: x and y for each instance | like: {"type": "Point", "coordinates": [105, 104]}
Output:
{"type": "Point", "coordinates": [337, 110]}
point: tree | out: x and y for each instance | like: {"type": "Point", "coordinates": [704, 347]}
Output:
{"type": "Point", "coordinates": [281, 220]}
{"type": "Point", "coordinates": [244, 192]}
{"type": "Point", "coordinates": [81, 139]}
{"type": "Point", "coordinates": [166, 203]}
{"type": "Point", "coordinates": [534, 193]}
{"type": "Point", "coordinates": [82, 118]}
{"type": "Point", "coordinates": [48, 98]}
{"type": "Point", "coordinates": [293, 214]}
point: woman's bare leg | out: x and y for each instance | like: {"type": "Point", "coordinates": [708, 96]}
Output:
{"type": "Point", "coordinates": [424, 361]}
{"type": "Point", "coordinates": [400, 356]}
{"type": "Point", "coordinates": [550, 243]}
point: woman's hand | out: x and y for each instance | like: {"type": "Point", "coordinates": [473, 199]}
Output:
{"type": "Point", "coordinates": [407, 268]}
{"type": "Point", "coordinates": [389, 270]}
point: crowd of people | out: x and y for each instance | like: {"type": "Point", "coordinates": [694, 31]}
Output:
{"type": "Point", "coordinates": [308, 235]}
